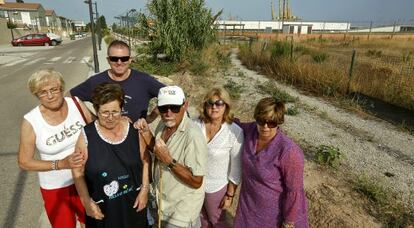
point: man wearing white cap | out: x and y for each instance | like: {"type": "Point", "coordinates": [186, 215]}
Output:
{"type": "Point", "coordinates": [181, 155]}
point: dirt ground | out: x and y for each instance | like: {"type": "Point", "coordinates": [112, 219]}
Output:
{"type": "Point", "coordinates": [332, 201]}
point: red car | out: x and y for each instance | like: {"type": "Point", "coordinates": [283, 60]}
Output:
{"type": "Point", "coordinates": [32, 40]}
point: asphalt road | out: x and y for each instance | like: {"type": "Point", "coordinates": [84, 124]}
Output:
{"type": "Point", "coordinates": [21, 204]}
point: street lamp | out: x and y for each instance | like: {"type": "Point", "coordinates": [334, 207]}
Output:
{"type": "Point", "coordinates": [95, 54]}
{"type": "Point", "coordinates": [128, 20]}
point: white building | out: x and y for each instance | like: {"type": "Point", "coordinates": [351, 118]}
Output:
{"type": "Point", "coordinates": [302, 27]}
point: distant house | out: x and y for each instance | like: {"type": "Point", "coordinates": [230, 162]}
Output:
{"type": "Point", "coordinates": [29, 15]}
{"type": "Point", "coordinates": [79, 25]}
{"type": "Point", "coordinates": [66, 25]}
{"type": "Point", "coordinates": [53, 22]}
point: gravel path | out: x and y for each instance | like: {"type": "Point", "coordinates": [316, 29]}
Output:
{"type": "Point", "coordinates": [371, 146]}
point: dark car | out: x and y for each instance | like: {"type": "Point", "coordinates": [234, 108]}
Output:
{"type": "Point", "coordinates": [32, 40]}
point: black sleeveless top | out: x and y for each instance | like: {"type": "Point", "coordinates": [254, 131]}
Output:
{"type": "Point", "coordinates": [113, 172]}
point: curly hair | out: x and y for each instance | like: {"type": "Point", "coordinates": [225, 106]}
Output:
{"type": "Point", "coordinates": [105, 93]}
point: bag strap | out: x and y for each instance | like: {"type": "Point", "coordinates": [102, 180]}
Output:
{"type": "Point", "coordinates": [79, 108]}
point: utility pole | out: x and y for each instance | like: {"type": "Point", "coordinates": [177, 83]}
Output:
{"type": "Point", "coordinates": [95, 53]}
{"type": "Point", "coordinates": [98, 26]}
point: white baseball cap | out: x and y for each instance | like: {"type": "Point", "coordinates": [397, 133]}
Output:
{"type": "Point", "coordinates": [171, 95]}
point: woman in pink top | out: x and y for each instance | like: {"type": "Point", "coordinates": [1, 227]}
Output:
{"type": "Point", "coordinates": [271, 193]}
{"type": "Point", "coordinates": [224, 141]}
{"type": "Point", "coordinates": [53, 128]}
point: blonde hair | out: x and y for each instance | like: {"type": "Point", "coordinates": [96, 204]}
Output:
{"type": "Point", "coordinates": [270, 109]}
{"type": "Point", "coordinates": [43, 77]}
{"type": "Point", "coordinates": [223, 95]}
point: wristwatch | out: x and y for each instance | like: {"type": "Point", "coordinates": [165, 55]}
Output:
{"type": "Point", "coordinates": [172, 164]}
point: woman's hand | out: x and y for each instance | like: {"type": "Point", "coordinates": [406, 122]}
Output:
{"type": "Point", "coordinates": [142, 198]}
{"type": "Point", "coordinates": [141, 125]}
{"type": "Point", "coordinates": [226, 202]}
{"type": "Point", "coordinates": [93, 210]}
{"type": "Point", "coordinates": [74, 160]}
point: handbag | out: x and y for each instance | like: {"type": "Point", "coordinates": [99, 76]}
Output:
{"type": "Point", "coordinates": [79, 108]}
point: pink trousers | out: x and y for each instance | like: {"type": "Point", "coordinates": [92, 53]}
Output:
{"type": "Point", "coordinates": [211, 214]}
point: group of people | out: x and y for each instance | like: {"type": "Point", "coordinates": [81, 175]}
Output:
{"type": "Point", "coordinates": [99, 168]}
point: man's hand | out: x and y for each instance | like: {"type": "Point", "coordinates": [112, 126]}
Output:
{"type": "Point", "coordinates": [161, 152]}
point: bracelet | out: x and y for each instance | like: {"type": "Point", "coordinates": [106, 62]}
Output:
{"type": "Point", "coordinates": [54, 165]}
{"type": "Point", "coordinates": [229, 195]}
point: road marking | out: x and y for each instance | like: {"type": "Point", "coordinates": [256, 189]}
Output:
{"type": "Point", "coordinates": [85, 59]}
{"type": "Point", "coordinates": [53, 60]}
{"type": "Point", "coordinates": [15, 62]}
{"type": "Point", "coordinates": [69, 60]}
{"type": "Point", "coordinates": [34, 61]}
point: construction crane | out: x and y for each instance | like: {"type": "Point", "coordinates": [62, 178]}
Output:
{"type": "Point", "coordinates": [285, 12]}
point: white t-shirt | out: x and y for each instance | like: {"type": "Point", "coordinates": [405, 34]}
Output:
{"type": "Point", "coordinates": [224, 151]}
{"type": "Point", "coordinates": [56, 142]}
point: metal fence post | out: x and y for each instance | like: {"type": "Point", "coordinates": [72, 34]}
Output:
{"type": "Point", "coordinates": [351, 68]}
{"type": "Point", "coordinates": [291, 48]}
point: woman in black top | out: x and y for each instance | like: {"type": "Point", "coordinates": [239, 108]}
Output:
{"type": "Point", "coordinates": [113, 183]}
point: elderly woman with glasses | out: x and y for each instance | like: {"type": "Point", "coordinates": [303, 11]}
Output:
{"type": "Point", "coordinates": [272, 193]}
{"type": "Point", "coordinates": [113, 183]}
{"type": "Point", "coordinates": [224, 140]}
{"type": "Point", "coordinates": [53, 128]}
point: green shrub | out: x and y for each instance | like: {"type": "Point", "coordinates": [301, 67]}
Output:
{"type": "Point", "coordinates": [108, 39]}
{"type": "Point", "coordinates": [280, 49]}
{"type": "Point", "coordinates": [328, 155]}
{"type": "Point", "coordinates": [176, 27]}
{"type": "Point", "coordinates": [292, 111]}
{"type": "Point", "coordinates": [319, 57]}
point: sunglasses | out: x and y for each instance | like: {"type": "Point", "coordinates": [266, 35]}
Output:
{"type": "Point", "coordinates": [218, 103]}
{"type": "Point", "coordinates": [172, 108]}
{"type": "Point", "coordinates": [270, 124]}
{"type": "Point", "coordinates": [117, 58]}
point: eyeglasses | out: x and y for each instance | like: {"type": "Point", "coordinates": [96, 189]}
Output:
{"type": "Point", "coordinates": [107, 114]}
{"type": "Point", "coordinates": [270, 124]}
{"type": "Point", "coordinates": [117, 58]}
{"type": "Point", "coordinates": [173, 108]}
{"type": "Point", "coordinates": [218, 103]}
{"type": "Point", "coordinates": [45, 93]}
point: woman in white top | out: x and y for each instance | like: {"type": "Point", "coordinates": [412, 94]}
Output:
{"type": "Point", "coordinates": [224, 141]}
{"type": "Point", "coordinates": [53, 128]}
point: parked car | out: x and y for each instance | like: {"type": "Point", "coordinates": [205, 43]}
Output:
{"type": "Point", "coordinates": [32, 40]}
{"type": "Point", "coordinates": [55, 39]}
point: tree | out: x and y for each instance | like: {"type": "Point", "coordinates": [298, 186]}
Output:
{"type": "Point", "coordinates": [102, 22]}
{"type": "Point", "coordinates": [19, 1]}
{"type": "Point", "coordinates": [176, 27]}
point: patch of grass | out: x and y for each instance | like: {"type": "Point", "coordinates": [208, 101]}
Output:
{"type": "Point", "coordinates": [374, 53]}
{"type": "Point", "coordinates": [385, 204]}
{"type": "Point", "coordinates": [328, 156]}
{"type": "Point", "coordinates": [234, 89]}
{"type": "Point", "coordinates": [241, 74]}
{"type": "Point", "coordinates": [280, 49]}
{"type": "Point", "coordinates": [157, 67]}
{"type": "Point", "coordinates": [272, 90]}
{"type": "Point", "coordinates": [319, 57]}
{"type": "Point", "coordinates": [292, 111]}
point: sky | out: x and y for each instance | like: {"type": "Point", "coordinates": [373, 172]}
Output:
{"type": "Point", "coordinates": [379, 11]}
